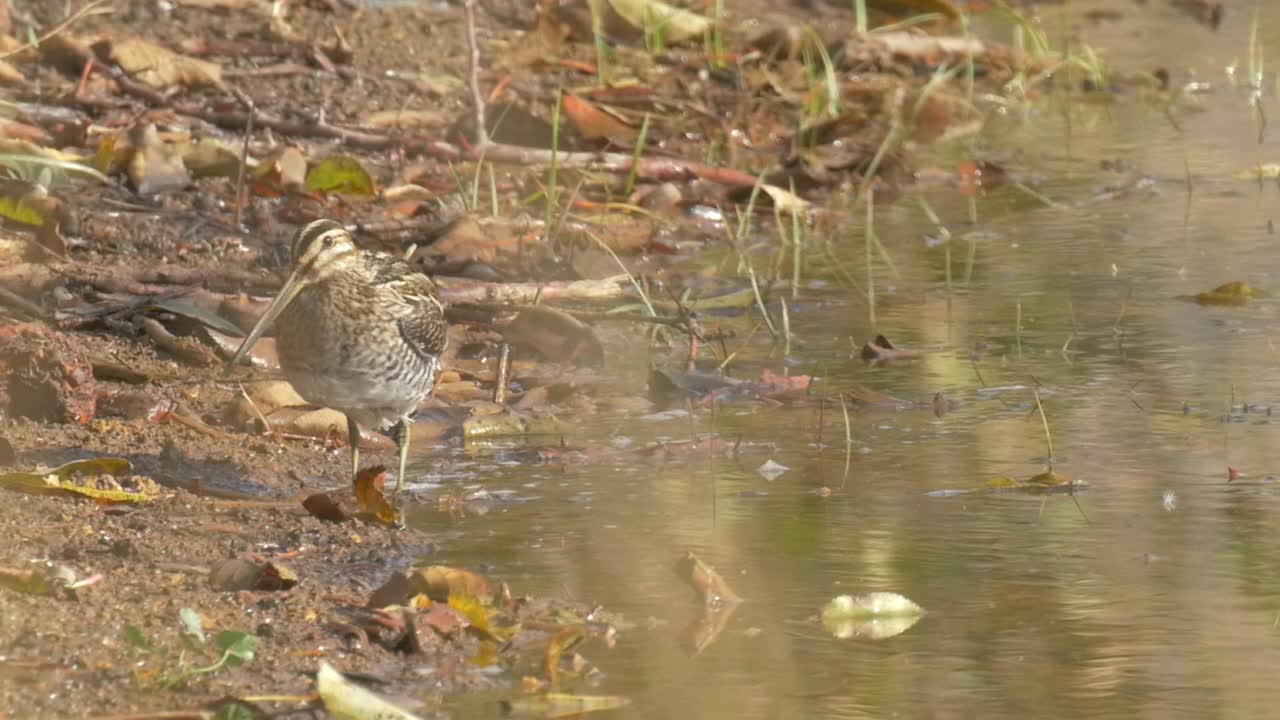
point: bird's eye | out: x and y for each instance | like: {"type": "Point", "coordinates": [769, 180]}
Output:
{"type": "Point", "coordinates": [328, 242]}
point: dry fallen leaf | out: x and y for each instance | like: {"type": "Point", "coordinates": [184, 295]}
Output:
{"type": "Point", "coordinates": [439, 582]}
{"type": "Point", "coordinates": [594, 122]}
{"type": "Point", "coordinates": [368, 486]}
{"type": "Point", "coordinates": [161, 67]}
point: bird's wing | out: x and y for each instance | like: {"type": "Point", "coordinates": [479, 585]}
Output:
{"type": "Point", "coordinates": [422, 326]}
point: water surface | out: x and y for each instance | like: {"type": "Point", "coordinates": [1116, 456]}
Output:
{"type": "Point", "coordinates": [1154, 593]}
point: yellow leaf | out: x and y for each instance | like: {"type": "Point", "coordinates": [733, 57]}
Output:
{"type": "Point", "coordinates": [340, 174]}
{"type": "Point", "coordinates": [107, 480]}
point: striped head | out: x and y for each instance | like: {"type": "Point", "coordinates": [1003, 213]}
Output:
{"type": "Point", "coordinates": [320, 248]}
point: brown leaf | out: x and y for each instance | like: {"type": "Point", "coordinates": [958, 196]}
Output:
{"type": "Point", "coordinates": [368, 487]}
{"type": "Point", "coordinates": [443, 619]}
{"type": "Point", "coordinates": [161, 67]}
{"type": "Point", "coordinates": [395, 591]}
{"type": "Point", "coordinates": [560, 643]}
{"type": "Point", "coordinates": [781, 387]}
{"type": "Point", "coordinates": [712, 590]}
{"type": "Point", "coordinates": [881, 350]}
{"type": "Point", "coordinates": [240, 574]}
{"type": "Point", "coordinates": [438, 582]}
{"type": "Point", "coordinates": [595, 123]}
{"type": "Point", "coordinates": [555, 335]}
{"type": "Point", "coordinates": [325, 507]}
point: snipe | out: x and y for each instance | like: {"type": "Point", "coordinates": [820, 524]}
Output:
{"type": "Point", "coordinates": [357, 331]}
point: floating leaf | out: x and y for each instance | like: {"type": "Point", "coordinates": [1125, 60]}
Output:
{"type": "Point", "coordinates": [340, 174]}
{"type": "Point", "coordinates": [873, 616]}
{"type": "Point", "coordinates": [347, 701]}
{"type": "Point", "coordinates": [1265, 171]}
{"type": "Point", "coordinates": [881, 350]}
{"type": "Point", "coordinates": [560, 643]}
{"type": "Point", "coordinates": [102, 479]}
{"type": "Point", "coordinates": [1232, 294]}
{"type": "Point", "coordinates": [712, 589]}
{"type": "Point", "coordinates": [561, 705]}
{"type": "Point", "coordinates": [1046, 482]}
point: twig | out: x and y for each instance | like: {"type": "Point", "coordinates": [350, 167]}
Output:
{"type": "Point", "coordinates": [266, 426]}
{"type": "Point", "coordinates": [473, 69]}
{"type": "Point", "coordinates": [504, 373]}
{"type": "Point", "coordinates": [1048, 437]}
{"type": "Point", "coordinates": [244, 158]}
{"type": "Point", "coordinates": [455, 291]}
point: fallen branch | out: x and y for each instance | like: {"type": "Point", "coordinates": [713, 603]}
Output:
{"type": "Point", "coordinates": [456, 291]}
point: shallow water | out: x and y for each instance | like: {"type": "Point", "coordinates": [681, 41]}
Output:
{"type": "Point", "coordinates": [1153, 593]}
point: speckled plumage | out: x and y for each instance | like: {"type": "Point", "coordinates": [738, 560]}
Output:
{"type": "Point", "coordinates": [365, 341]}
{"type": "Point", "coordinates": [357, 331]}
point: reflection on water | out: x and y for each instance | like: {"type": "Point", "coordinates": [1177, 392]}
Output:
{"type": "Point", "coordinates": [1153, 593]}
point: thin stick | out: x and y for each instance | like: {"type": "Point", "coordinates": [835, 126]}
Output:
{"type": "Point", "coordinates": [473, 73]}
{"type": "Point", "coordinates": [266, 426]}
{"type": "Point", "coordinates": [848, 441]}
{"type": "Point", "coordinates": [244, 158]}
{"type": "Point", "coordinates": [1048, 437]}
{"type": "Point", "coordinates": [504, 375]}
{"type": "Point", "coordinates": [1075, 330]}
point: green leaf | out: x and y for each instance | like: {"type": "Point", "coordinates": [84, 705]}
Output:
{"type": "Point", "coordinates": [133, 635]}
{"type": "Point", "coordinates": [340, 174]}
{"type": "Point", "coordinates": [237, 647]}
{"type": "Point", "coordinates": [22, 212]}
{"type": "Point", "coordinates": [29, 167]}
{"type": "Point", "coordinates": [192, 624]}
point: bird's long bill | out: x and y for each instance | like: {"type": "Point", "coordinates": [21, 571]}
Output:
{"type": "Point", "coordinates": [286, 295]}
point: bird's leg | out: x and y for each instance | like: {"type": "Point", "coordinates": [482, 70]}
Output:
{"type": "Point", "coordinates": [402, 433]}
{"type": "Point", "coordinates": [353, 439]}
